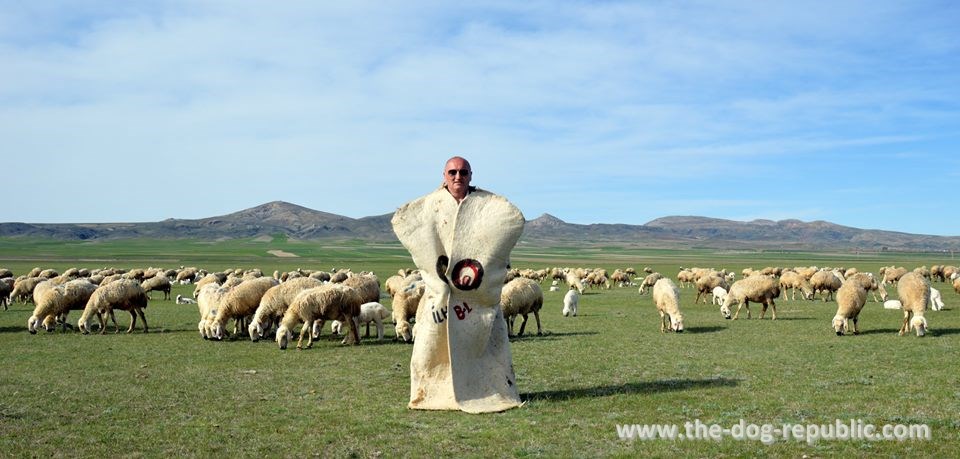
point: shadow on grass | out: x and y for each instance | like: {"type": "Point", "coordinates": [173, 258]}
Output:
{"type": "Point", "coordinates": [880, 331]}
{"type": "Point", "coordinates": [548, 335]}
{"type": "Point", "coordinates": [667, 385]}
{"type": "Point", "coordinates": [713, 329]}
{"type": "Point", "coordinates": [943, 331]}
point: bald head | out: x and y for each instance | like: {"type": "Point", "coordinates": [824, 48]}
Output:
{"type": "Point", "coordinates": [456, 177]}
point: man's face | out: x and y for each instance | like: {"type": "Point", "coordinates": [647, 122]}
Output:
{"type": "Point", "coordinates": [459, 181]}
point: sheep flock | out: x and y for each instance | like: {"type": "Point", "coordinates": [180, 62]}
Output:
{"type": "Point", "coordinates": [244, 303]}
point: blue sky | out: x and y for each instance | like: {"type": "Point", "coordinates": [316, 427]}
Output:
{"type": "Point", "coordinates": [595, 112]}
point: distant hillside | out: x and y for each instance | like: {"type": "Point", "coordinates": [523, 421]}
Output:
{"type": "Point", "coordinates": [668, 232]}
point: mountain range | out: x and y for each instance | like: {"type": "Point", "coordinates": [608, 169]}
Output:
{"type": "Point", "coordinates": [299, 222]}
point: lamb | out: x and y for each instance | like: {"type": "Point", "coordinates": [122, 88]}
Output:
{"type": "Point", "coordinates": [760, 289]}
{"type": "Point", "coordinates": [185, 300]}
{"type": "Point", "coordinates": [936, 301]}
{"type": "Point", "coordinates": [318, 304]}
{"type": "Point", "coordinates": [159, 283]}
{"type": "Point", "coordinates": [239, 302]}
{"type": "Point", "coordinates": [405, 305]}
{"type": "Point", "coordinates": [666, 297]}
{"type": "Point", "coordinates": [571, 301]}
{"type": "Point", "coordinates": [369, 312]}
{"type": "Point", "coordinates": [648, 282]}
{"type": "Point", "coordinates": [914, 292]}
{"type": "Point", "coordinates": [827, 282]}
{"type": "Point", "coordinates": [851, 297]}
{"type": "Point", "coordinates": [274, 304]}
{"type": "Point", "coordinates": [521, 297]}
{"type": "Point", "coordinates": [719, 295]}
{"type": "Point", "coordinates": [124, 294]}
{"type": "Point", "coordinates": [54, 302]}
{"type": "Point", "coordinates": [554, 288]}
{"type": "Point", "coordinates": [892, 304]}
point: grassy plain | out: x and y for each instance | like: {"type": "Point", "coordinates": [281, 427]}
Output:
{"type": "Point", "coordinates": [171, 393]}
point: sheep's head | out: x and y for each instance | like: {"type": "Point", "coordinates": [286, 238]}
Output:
{"type": "Point", "coordinates": [839, 324]}
{"type": "Point", "coordinates": [50, 323]}
{"type": "Point", "coordinates": [82, 325]}
{"type": "Point", "coordinates": [255, 330]}
{"type": "Point", "coordinates": [219, 331]}
{"type": "Point", "coordinates": [283, 336]}
{"type": "Point", "coordinates": [403, 331]}
{"type": "Point", "coordinates": [919, 323]}
{"type": "Point", "coordinates": [725, 308]}
{"type": "Point", "coordinates": [676, 323]}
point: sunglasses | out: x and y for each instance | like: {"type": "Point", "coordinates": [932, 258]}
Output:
{"type": "Point", "coordinates": [463, 172]}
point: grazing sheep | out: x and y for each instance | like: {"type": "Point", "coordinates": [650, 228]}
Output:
{"type": "Point", "coordinates": [826, 282]}
{"type": "Point", "coordinates": [521, 296]}
{"type": "Point", "coordinates": [575, 281]}
{"type": "Point", "coordinates": [851, 297]}
{"type": "Point", "coordinates": [648, 282]}
{"type": "Point", "coordinates": [367, 285]}
{"type": "Point", "coordinates": [319, 304]}
{"type": "Point", "coordinates": [686, 278]}
{"type": "Point", "coordinates": [239, 302]}
{"type": "Point", "coordinates": [936, 301]}
{"type": "Point", "coordinates": [793, 280]}
{"type": "Point", "coordinates": [956, 285]}
{"type": "Point", "coordinates": [406, 302]}
{"type": "Point", "coordinates": [274, 304]}
{"type": "Point", "coordinates": [159, 283]}
{"type": "Point", "coordinates": [759, 289]}
{"type": "Point", "coordinates": [914, 292]}
{"type": "Point", "coordinates": [719, 295]}
{"type": "Point", "coordinates": [666, 297]}
{"type": "Point", "coordinates": [186, 276]}
{"type": "Point", "coordinates": [891, 274]}
{"type": "Point", "coordinates": [6, 287]}
{"type": "Point", "coordinates": [185, 300]}
{"type": "Point", "coordinates": [54, 302]}
{"type": "Point", "coordinates": [571, 301]}
{"type": "Point", "coordinates": [5, 273]}
{"type": "Point", "coordinates": [208, 302]}
{"type": "Point", "coordinates": [123, 294]}
{"type": "Point", "coordinates": [706, 284]}
{"type": "Point", "coordinates": [23, 288]}
{"type": "Point", "coordinates": [369, 312]}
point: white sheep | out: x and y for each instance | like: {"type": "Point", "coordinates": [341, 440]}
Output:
{"type": "Point", "coordinates": [159, 283]}
{"type": "Point", "coordinates": [54, 302]}
{"type": "Point", "coordinates": [827, 282]}
{"type": "Point", "coordinates": [123, 294]}
{"type": "Point", "coordinates": [666, 297]}
{"type": "Point", "coordinates": [208, 300]}
{"type": "Point", "coordinates": [406, 302]}
{"type": "Point", "coordinates": [648, 282]}
{"type": "Point", "coordinates": [571, 302]}
{"type": "Point", "coordinates": [369, 312]}
{"type": "Point", "coordinates": [274, 303]}
{"type": "Point", "coordinates": [936, 301]}
{"type": "Point", "coordinates": [757, 288]}
{"type": "Point", "coordinates": [914, 292]}
{"type": "Point", "coordinates": [185, 300]}
{"type": "Point", "coordinates": [314, 306]}
{"type": "Point", "coordinates": [719, 295]}
{"type": "Point", "coordinates": [851, 297]}
{"type": "Point", "coordinates": [892, 304]}
{"type": "Point", "coordinates": [521, 296]}
{"type": "Point", "coordinates": [239, 302]}
{"type": "Point", "coordinates": [554, 288]}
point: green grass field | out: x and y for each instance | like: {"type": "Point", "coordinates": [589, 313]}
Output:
{"type": "Point", "coordinates": [171, 393]}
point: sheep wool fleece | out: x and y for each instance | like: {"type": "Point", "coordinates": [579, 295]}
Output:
{"type": "Point", "coordinates": [461, 353]}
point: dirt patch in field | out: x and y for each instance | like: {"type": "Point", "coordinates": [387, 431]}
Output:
{"type": "Point", "coordinates": [282, 254]}
{"type": "Point", "coordinates": [264, 238]}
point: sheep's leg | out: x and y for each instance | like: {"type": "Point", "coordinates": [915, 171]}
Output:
{"type": "Point", "coordinates": [856, 328]}
{"type": "Point", "coordinates": [133, 319]}
{"type": "Point", "coordinates": [367, 334]}
{"type": "Point", "coordinates": [773, 310]}
{"type": "Point", "coordinates": [536, 315]}
{"type": "Point", "coordinates": [763, 309]}
{"type": "Point", "coordinates": [379, 328]}
{"type": "Point", "coordinates": [523, 325]}
{"type": "Point", "coordinates": [737, 314]}
{"type": "Point", "coordinates": [114, 319]}
{"type": "Point", "coordinates": [509, 321]}
{"type": "Point", "coordinates": [143, 318]}
{"type": "Point", "coordinates": [906, 323]}
{"type": "Point", "coordinates": [662, 324]}
{"type": "Point", "coordinates": [697, 300]}
{"type": "Point", "coordinates": [303, 330]}
{"type": "Point", "coordinates": [354, 330]}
